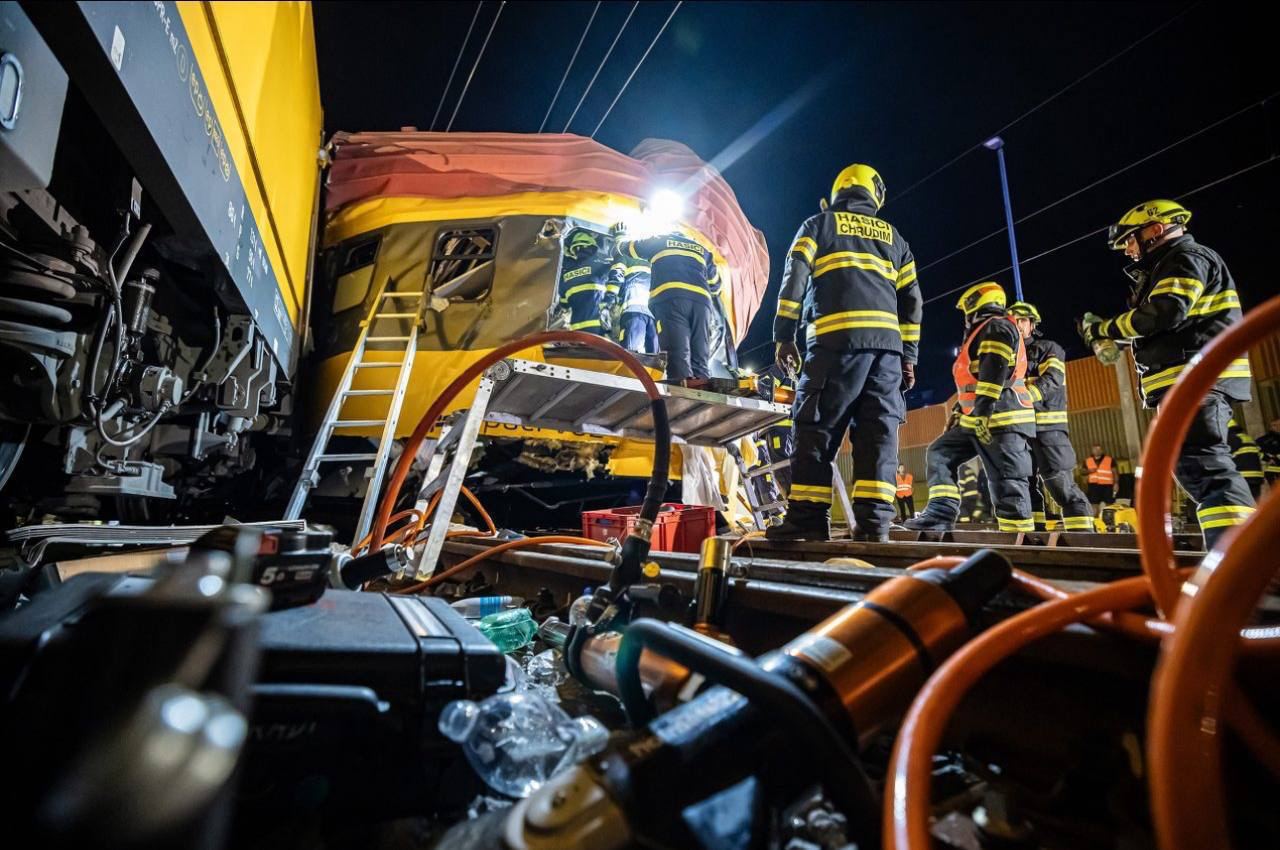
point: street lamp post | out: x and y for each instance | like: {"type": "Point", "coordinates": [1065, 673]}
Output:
{"type": "Point", "coordinates": [995, 143]}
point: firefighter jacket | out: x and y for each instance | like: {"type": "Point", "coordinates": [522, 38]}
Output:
{"type": "Point", "coordinates": [1183, 298]}
{"type": "Point", "coordinates": [1244, 452]}
{"type": "Point", "coordinates": [1047, 384]}
{"type": "Point", "coordinates": [990, 374]}
{"type": "Point", "coordinates": [631, 277]}
{"type": "Point", "coordinates": [584, 285]}
{"type": "Point", "coordinates": [855, 278]}
{"type": "Point", "coordinates": [679, 266]}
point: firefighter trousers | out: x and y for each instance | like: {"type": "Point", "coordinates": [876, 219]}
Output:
{"type": "Point", "coordinates": [859, 392]}
{"type": "Point", "coordinates": [1053, 461]}
{"type": "Point", "coordinates": [1207, 472]}
{"type": "Point", "coordinates": [684, 333]}
{"type": "Point", "coordinates": [638, 333]}
{"type": "Point", "coordinates": [1007, 460]}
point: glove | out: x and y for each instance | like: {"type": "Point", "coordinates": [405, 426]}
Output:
{"type": "Point", "coordinates": [979, 425]}
{"type": "Point", "coordinates": [908, 376]}
{"type": "Point", "coordinates": [1087, 325]}
{"type": "Point", "coordinates": [787, 356]}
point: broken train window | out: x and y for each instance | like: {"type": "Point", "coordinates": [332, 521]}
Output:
{"type": "Point", "coordinates": [462, 264]}
{"type": "Point", "coordinates": [354, 272]}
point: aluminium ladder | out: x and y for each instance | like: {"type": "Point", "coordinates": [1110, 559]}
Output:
{"type": "Point", "coordinates": [385, 326]}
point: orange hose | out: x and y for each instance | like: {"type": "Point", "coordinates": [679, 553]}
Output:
{"type": "Point", "coordinates": [471, 373]}
{"type": "Point", "coordinates": [484, 515]}
{"type": "Point", "coordinates": [493, 550]}
{"type": "Point", "coordinates": [1193, 685]}
{"type": "Point", "coordinates": [1164, 442]}
{"type": "Point", "coordinates": [907, 806]}
{"type": "Point", "coordinates": [364, 542]}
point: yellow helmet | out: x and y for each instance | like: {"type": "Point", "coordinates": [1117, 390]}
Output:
{"type": "Point", "coordinates": [582, 240]}
{"type": "Point", "coordinates": [980, 295]}
{"type": "Point", "coordinates": [1024, 310]}
{"type": "Point", "coordinates": [1170, 213]}
{"type": "Point", "coordinates": [860, 175]}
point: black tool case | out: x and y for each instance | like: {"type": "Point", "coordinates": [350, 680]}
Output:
{"type": "Point", "coordinates": [348, 697]}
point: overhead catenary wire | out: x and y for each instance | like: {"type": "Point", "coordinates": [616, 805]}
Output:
{"type": "Point", "coordinates": [1205, 129]}
{"type": "Point", "coordinates": [630, 76]}
{"type": "Point", "coordinates": [572, 59]}
{"type": "Point", "coordinates": [1259, 164]}
{"type": "Point", "coordinates": [600, 67]}
{"type": "Point", "coordinates": [456, 62]}
{"type": "Point", "coordinates": [1077, 81]}
{"type": "Point", "coordinates": [475, 65]}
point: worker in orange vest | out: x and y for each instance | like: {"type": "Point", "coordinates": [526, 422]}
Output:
{"type": "Point", "coordinates": [906, 494]}
{"type": "Point", "coordinates": [1101, 471]}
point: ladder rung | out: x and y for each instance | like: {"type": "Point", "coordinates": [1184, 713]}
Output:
{"type": "Point", "coordinates": [388, 339]}
{"type": "Point", "coordinates": [367, 392]}
{"type": "Point", "coordinates": [765, 470]}
{"type": "Point", "coordinates": [770, 506]}
{"type": "Point", "coordinates": [340, 457]}
{"type": "Point", "coordinates": [358, 423]}
{"type": "Point", "coordinates": [402, 295]}
{"type": "Point", "coordinates": [377, 364]}
{"type": "Point", "coordinates": [395, 315]}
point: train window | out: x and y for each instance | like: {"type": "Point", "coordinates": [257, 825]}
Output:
{"type": "Point", "coordinates": [462, 264]}
{"type": "Point", "coordinates": [355, 273]}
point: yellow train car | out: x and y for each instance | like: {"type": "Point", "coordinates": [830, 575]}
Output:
{"type": "Point", "coordinates": [159, 190]}
{"type": "Point", "coordinates": [487, 262]}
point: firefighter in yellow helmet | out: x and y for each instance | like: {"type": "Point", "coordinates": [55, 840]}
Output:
{"type": "Point", "coordinates": [585, 286]}
{"type": "Point", "coordinates": [1182, 297]}
{"type": "Point", "coordinates": [995, 421]}
{"type": "Point", "coordinates": [1053, 458]}
{"type": "Point", "coordinates": [856, 276]}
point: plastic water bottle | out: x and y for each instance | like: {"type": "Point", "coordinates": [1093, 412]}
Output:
{"type": "Point", "coordinates": [482, 606]}
{"type": "Point", "coordinates": [578, 610]}
{"type": "Point", "coordinates": [1106, 350]}
{"type": "Point", "coordinates": [515, 742]}
{"type": "Point", "coordinates": [510, 629]}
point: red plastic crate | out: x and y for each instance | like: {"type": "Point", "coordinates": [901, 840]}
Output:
{"type": "Point", "coordinates": [678, 528]}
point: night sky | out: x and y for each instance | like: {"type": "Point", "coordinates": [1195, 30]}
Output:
{"type": "Point", "coordinates": [905, 87]}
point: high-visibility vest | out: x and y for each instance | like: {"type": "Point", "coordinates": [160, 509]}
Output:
{"type": "Point", "coordinates": [905, 487]}
{"type": "Point", "coordinates": [964, 371]}
{"type": "Point", "coordinates": [1100, 473]}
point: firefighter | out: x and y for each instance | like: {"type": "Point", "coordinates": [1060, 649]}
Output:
{"type": "Point", "coordinates": [1270, 445]}
{"type": "Point", "coordinates": [906, 494]}
{"type": "Point", "coordinates": [1100, 477]}
{"type": "Point", "coordinates": [585, 288]}
{"type": "Point", "coordinates": [1247, 457]}
{"type": "Point", "coordinates": [997, 418]}
{"type": "Point", "coordinates": [684, 280]}
{"type": "Point", "coordinates": [1183, 297]}
{"type": "Point", "coordinates": [1053, 459]}
{"type": "Point", "coordinates": [780, 438]}
{"type": "Point", "coordinates": [858, 277]}
{"type": "Point", "coordinates": [637, 330]}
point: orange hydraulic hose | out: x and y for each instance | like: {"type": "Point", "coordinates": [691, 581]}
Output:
{"type": "Point", "coordinates": [1155, 485]}
{"type": "Point", "coordinates": [470, 374]}
{"type": "Point", "coordinates": [484, 515]}
{"type": "Point", "coordinates": [364, 542]}
{"type": "Point", "coordinates": [493, 550]}
{"type": "Point", "coordinates": [1193, 680]}
{"type": "Point", "coordinates": [907, 803]}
